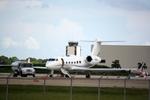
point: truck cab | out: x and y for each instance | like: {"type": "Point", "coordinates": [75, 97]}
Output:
{"type": "Point", "coordinates": [23, 69]}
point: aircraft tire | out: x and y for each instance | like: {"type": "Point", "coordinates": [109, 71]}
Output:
{"type": "Point", "coordinates": [51, 75]}
{"type": "Point", "coordinates": [88, 75]}
{"type": "Point", "coordinates": [66, 76]}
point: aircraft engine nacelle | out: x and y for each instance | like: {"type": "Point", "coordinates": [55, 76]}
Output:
{"type": "Point", "coordinates": [92, 60]}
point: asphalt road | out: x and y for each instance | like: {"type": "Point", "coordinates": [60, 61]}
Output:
{"type": "Point", "coordinates": [77, 80]}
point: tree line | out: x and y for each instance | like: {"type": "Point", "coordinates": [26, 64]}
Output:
{"type": "Point", "coordinates": [7, 60]}
{"type": "Point", "coordinates": [4, 60]}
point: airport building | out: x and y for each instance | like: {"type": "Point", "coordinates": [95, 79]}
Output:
{"type": "Point", "coordinates": [128, 55]}
{"type": "Point", "coordinates": [73, 49]}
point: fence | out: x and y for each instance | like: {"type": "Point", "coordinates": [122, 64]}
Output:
{"type": "Point", "coordinates": [97, 83]}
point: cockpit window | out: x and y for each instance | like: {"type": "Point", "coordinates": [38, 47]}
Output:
{"type": "Point", "coordinates": [52, 59]}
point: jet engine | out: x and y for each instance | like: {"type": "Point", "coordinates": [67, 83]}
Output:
{"type": "Point", "coordinates": [89, 59]}
{"type": "Point", "coordinates": [93, 60]}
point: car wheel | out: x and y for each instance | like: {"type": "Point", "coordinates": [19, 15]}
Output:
{"type": "Point", "coordinates": [33, 75]}
{"type": "Point", "coordinates": [14, 75]}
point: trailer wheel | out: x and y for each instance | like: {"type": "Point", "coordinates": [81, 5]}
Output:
{"type": "Point", "coordinates": [88, 75]}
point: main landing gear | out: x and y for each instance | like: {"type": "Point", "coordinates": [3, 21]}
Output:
{"type": "Point", "coordinates": [88, 75]}
{"type": "Point", "coordinates": [51, 74]}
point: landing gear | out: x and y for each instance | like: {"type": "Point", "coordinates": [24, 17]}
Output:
{"type": "Point", "coordinates": [65, 72]}
{"type": "Point", "coordinates": [51, 74]}
{"type": "Point", "coordinates": [66, 76]}
{"type": "Point", "coordinates": [88, 75]}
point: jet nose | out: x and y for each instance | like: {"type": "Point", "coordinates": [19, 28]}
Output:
{"type": "Point", "coordinates": [48, 64]}
{"type": "Point", "coordinates": [51, 64]}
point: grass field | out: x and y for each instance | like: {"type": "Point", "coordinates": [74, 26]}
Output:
{"type": "Point", "coordinates": [26, 92]}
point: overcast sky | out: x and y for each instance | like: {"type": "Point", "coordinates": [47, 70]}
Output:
{"type": "Point", "coordinates": [42, 28]}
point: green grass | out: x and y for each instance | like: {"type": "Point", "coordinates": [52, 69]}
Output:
{"type": "Point", "coordinates": [29, 92]}
{"type": "Point", "coordinates": [5, 69]}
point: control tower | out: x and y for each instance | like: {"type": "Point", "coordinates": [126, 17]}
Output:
{"type": "Point", "coordinates": [73, 49]}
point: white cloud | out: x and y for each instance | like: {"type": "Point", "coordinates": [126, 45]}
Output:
{"type": "Point", "coordinates": [28, 24]}
{"type": "Point", "coordinates": [3, 4]}
{"type": "Point", "coordinates": [65, 30]}
{"type": "Point", "coordinates": [147, 43]}
{"type": "Point", "coordinates": [8, 42]}
{"type": "Point", "coordinates": [69, 30]}
{"type": "Point", "coordinates": [128, 4]}
{"type": "Point", "coordinates": [67, 26]}
{"type": "Point", "coordinates": [139, 21]}
{"type": "Point", "coordinates": [32, 3]}
{"type": "Point", "coordinates": [31, 43]}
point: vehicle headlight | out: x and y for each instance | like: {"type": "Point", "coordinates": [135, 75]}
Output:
{"type": "Point", "coordinates": [23, 71]}
{"type": "Point", "coordinates": [33, 70]}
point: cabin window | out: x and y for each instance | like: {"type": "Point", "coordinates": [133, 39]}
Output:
{"type": "Point", "coordinates": [79, 61]}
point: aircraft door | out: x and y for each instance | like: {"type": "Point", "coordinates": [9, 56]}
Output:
{"type": "Point", "coordinates": [62, 62]}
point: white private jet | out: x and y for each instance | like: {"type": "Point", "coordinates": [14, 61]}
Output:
{"type": "Point", "coordinates": [79, 63]}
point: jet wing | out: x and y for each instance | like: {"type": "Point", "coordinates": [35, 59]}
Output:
{"type": "Point", "coordinates": [39, 67]}
{"type": "Point", "coordinates": [102, 69]}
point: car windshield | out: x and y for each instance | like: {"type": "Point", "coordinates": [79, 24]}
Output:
{"type": "Point", "coordinates": [26, 65]}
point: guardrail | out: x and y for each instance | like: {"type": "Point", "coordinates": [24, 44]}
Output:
{"type": "Point", "coordinates": [79, 82]}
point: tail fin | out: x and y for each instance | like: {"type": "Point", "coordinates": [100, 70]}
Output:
{"type": "Point", "coordinates": [96, 48]}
